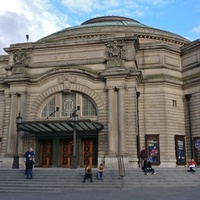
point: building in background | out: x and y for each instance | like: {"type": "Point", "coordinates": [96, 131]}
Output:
{"type": "Point", "coordinates": [130, 86]}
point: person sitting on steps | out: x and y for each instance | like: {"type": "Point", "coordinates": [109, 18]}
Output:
{"type": "Point", "coordinates": [148, 167]}
{"type": "Point", "coordinates": [100, 172]}
{"type": "Point", "coordinates": [88, 174]}
{"type": "Point", "coordinates": [192, 165]}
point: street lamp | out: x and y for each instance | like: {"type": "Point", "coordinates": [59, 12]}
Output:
{"type": "Point", "coordinates": [16, 156]}
{"type": "Point", "coordinates": [75, 120]}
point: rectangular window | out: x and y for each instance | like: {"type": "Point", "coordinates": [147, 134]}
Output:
{"type": "Point", "coordinates": [68, 104]}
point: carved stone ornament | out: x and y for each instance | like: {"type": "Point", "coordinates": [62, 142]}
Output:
{"type": "Point", "coordinates": [21, 57]}
{"type": "Point", "coordinates": [67, 79]}
{"type": "Point", "coordinates": [115, 49]}
{"type": "Point", "coordinates": [21, 60]}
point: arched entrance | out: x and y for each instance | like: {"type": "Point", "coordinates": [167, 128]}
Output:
{"type": "Point", "coordinates": [54, 142]}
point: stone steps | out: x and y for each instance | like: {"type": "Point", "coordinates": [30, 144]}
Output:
{"type": "Point", "coordinates": [52, 180]}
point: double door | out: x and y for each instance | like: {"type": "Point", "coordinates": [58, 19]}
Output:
{"type": "Point", "coordinates": [87, 152]}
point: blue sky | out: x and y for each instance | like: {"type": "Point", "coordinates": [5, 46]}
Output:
{"type": "Point", "coordinates": [40, 18]}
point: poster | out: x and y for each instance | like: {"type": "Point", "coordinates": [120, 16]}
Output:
{"type": "Point", "coordinates": [152, 144]}
{"type": "Point", "coordinates": [197, 149]}
{"type": "Point", "coordinates": [180, 149]}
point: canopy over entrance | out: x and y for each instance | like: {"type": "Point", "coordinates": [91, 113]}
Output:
{"type": "Point", "coordinates": [60, 126]}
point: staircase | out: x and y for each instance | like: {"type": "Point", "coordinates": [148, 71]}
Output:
{"type": "Point", "coordinates": [59, 179]}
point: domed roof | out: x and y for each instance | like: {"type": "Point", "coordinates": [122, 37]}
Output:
{"type": "Point", "coordinates": [115, 21]}
{"type": "Point", "coordinates": [112, 20]}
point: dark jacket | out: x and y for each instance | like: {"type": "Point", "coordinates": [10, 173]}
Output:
{"type": "Point", "coordinates": [29, 164]}
{"type": "Point", "coordinates": [143, 154]}
{"type": "Point", "coordinates": [29, 154]}
{"type": "Point", "coordinates": [147, 164]}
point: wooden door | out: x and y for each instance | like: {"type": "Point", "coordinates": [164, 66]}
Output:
{"type": "Point", "coordinates": [46, 153]}
{"type": "Point", "coordinates": [66, 152]}
{"type": "Point", "coordinates": [89, 152]}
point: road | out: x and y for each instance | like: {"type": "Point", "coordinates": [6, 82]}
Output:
{"type": "Point", "coordinates": [166, 193]}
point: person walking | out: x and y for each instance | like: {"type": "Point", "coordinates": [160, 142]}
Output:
{"type": "Point", "coordinates": [27, 155]}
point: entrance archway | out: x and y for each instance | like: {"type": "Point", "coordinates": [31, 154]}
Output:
{"type": "Point", "coordinates": [55, 142]}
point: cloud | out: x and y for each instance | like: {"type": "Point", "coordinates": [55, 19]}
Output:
{"type": "Point", "coordinates": [196, 30]}
{"type": "Point", "coordinates": [36, 18]}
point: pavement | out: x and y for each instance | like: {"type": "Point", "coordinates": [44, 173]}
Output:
{"type": "Point", "coordinates": [166, 193]}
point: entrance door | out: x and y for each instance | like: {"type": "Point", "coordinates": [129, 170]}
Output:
{"type": "Point", "coordinates": [66, 152]}
{"type": "Point", "coordinates": [46, 153]}
{"type": "Point", "coordinates": [89, 152]}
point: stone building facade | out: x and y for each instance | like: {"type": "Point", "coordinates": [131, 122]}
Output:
{"type": "Point", "coordinates": [129, 84]}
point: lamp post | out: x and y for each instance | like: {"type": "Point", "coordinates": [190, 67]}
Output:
{"type": "Point", "coordinates": [75, 120]}
{"type": "Point", "coordinates": [16, 156]}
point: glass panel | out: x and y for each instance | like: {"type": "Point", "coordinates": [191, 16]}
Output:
{"type": "Point", "coordinates": [68, 104]}
{"type": "Point", "coordinates": [88, 108]}
{"type": "Point", "coordinates": [49, 108]}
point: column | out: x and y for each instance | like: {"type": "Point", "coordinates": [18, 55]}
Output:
{"type": "Point", "coordinates": [22, 110]}
{"type": "Point", "coordinates": [12, 132]}
{"type": "Point", "coordinates": [121, 121]}
{"type": "Point", "coordinates": [111, 123]}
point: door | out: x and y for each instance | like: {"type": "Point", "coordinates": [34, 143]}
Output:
{"type": "Point", "coordinates": [46, 153]}
{"type": "Point", "coordinates": [89, 152]}
{"type": "Point", "coordinates": [66, 152]}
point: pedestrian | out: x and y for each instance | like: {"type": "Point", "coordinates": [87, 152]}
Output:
{"type": "Point", "coordinates": [192, 165]}
{"type": "Point", "coordinates": [29, 166]}
{"type": "Point", "coordinates": [88, 174]}
{"type": "Point", "coordinates": [100, 172]}
{"type": "Point", "coordinates": [148, 167]}
{"type": "Point", "coordinates": [27, 155]}
{"type": "Point", "coordinates": [143, 155]}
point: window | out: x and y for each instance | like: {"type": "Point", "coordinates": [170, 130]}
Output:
{"type": "Point", "coordinates": [49, 108]}
{"type": "Point", "coordinates": [67, 103]}
{"type": "Point", "coordinates": [174, 103]}
{"type": "Point", "coordinates": [88, 108]}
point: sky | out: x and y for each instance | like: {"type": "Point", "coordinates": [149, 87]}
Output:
{"type": "Point", "coordinates": [40, 18]}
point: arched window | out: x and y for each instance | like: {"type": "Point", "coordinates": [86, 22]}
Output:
{"type": "Point", "coordinates": [67, 103]}
{"type": "Point", "coordinates": [49, 108]}
{"type": "Point", "coordinates": [88, 107]}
